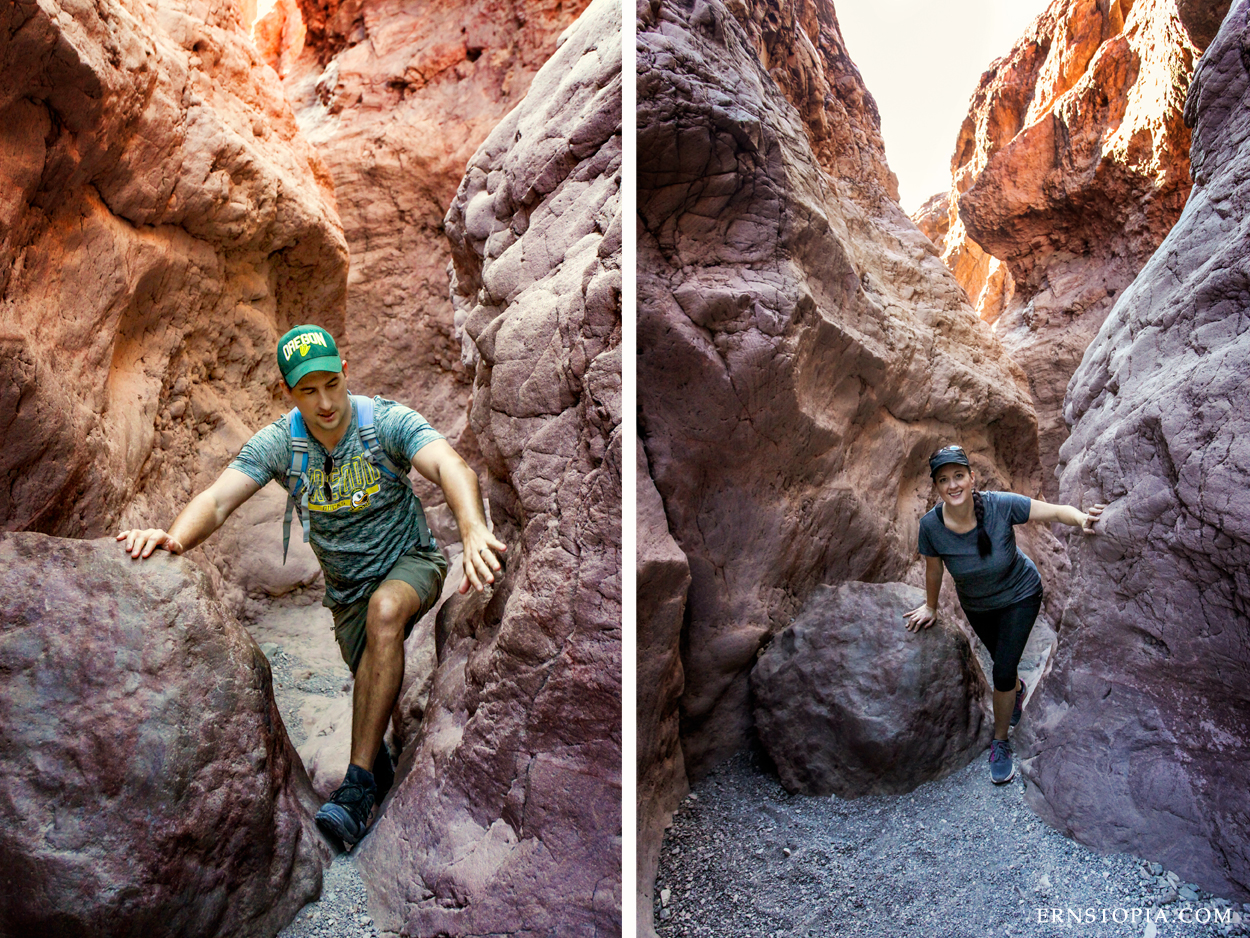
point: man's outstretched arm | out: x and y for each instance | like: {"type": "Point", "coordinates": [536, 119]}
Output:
{"type": "Point", "coordinates": [203, 515]}
{"type": "Point", "coordinates": [443, 466]}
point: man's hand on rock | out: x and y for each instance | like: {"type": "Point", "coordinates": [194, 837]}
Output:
{"type": "Point", "coordinates": [142, 543]}
{"type": "Point", "coordinates": [920, 618]}
{"type": "Point", "coordinates": [480, 561]}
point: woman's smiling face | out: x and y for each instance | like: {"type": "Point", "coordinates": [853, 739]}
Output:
{"type": "Point", "coordinates": [954, 483]}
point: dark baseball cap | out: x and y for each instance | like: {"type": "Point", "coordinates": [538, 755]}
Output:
{"type": "Point", "coordinates": [304, 349]}
{"type": "Point", "coordinates": [945, 456]}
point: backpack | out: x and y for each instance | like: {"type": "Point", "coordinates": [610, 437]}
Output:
{"type": "Point", "coordinates": [297, 483]}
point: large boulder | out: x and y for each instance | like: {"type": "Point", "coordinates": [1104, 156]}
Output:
{"type": "Point", "coordinates": [848, 702]}
{"type": "Point", "coordinates": [147, 785]}
{"type": "Point", "coordinates": [162, 222]}
{"type": "Point", "coordinates": [508, 815]}
{"type": "Point", "coordinates": [1071, 166]}
{"type": "Point", "coordinates": [802, 350]}
{"type": "Point", "coordinates": [1139, 739]}
{"type": "Point", "coordinates": [396, 97]}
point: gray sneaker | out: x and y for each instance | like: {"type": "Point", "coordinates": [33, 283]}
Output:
{"type": "Point", "coordinates": [346, 815]}
{"type": "Point", "coordinates": [1002, 770]}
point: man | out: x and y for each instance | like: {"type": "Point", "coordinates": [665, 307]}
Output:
{"type": "Point", "coordinates": [382, 571]}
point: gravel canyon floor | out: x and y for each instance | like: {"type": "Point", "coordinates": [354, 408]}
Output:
{"type": "Point", "coordinates": [956, 858]}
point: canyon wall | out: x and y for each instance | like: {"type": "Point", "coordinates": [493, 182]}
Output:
{"type": "Point", "coordinates": [396, 98]}
{"type": "Point", "coordinates": [802, 350]}
{"type": "Point", "coordinates": [1071, 166]}
{"type": "Point", "coordinates": [507, 817]}
{"type": "Point", "coordinates": [162, 223]}
{"type": "Point", "coordinates": [1139, 739]}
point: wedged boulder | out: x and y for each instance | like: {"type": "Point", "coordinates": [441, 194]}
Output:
{"type": "Point", "coordinates": [848, 702]}
{"type": "Point", "coordinates": [508, 816]}
{"type": "Point", "coordinates": [1070, 168]}
{"type": "Point", "coordinates": [1139, 738]}
{"type": "Point", "coordinates": [162, 222]}
{"type": "Point", "coordinates": [396, 97]}
{"type": "Point", "coordinates": [802, 350]}
{"type": "Point", "coordinates": [147, 785]}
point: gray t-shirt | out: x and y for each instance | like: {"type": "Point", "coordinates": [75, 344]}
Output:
{"type": "Point", "coordinates": [370, 519]}
{"type": "Point", "coordinates": [1006, 575]}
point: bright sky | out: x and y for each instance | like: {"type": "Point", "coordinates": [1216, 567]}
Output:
{"type": "Point", "coordinates": [922, 59]}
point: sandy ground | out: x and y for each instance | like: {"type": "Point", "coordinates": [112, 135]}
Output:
{"type": "Point", "coordinates": [956, 858]}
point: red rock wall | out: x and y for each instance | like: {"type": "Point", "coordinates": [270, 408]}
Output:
{"type": "Point", "coordinates": [1071, 167]}
{"type": "Point", "coordinates": [1139, 738]}
{"type": "Point", "coordinates": [396, 97]}
{"type": "Point", "coordinates": [508, 817]}
{"type": "Point", "coordinates": [161, 223]}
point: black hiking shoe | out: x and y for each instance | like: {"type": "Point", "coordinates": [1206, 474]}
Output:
{"type": "Point", "coordinates": [346, 815]}
{"type": "Point", "coordinates": [383, 773]}
{"type": "Point", "coordinates": [1002, 770]}
{"type": "Point", "coordinates": [1019, 707]}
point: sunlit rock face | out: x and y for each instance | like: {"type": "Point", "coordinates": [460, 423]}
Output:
{"type": "Point", "coordinates": [1139, 739]}
{"type": "Point", "coordinates": [1070, 168]}
{"type": "Point", "coordinates": [802, 350]}
{"type": "Point", "coordinates": [507, 819]}
{"type": "Point", "coordinates": [161, 223]}
{"type": "Point", "coordinates": [396, 97]}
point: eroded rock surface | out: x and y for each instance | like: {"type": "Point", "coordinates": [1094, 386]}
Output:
{"type": "Point", "coordinates": [1070, 168]}
{"type": "Point", "coordinates": [663, 579]}
{"type": "Point", "coordinates": [162, 222]}
{"type": "Point", "coordinates": [848, 702]}
{"type": "Point", "coordinates": [396, 97]}
{"type": "Point", "coordinates": [148, 786]}
{"type": "Point", "coordinates": [508, 817]}
{"type": "Point", "coordinates": [1140, 736]}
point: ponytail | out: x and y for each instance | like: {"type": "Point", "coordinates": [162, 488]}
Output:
{"type": "Point", "coordinates": [984, 545]}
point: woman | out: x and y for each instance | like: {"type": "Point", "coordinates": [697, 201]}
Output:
{"type": "Point", "coordinates": [998, 586]}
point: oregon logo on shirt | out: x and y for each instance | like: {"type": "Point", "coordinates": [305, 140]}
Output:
{"type": "Point", "coordinates": [351, 486]}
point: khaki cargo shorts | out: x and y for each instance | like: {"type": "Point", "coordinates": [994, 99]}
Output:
{"type": "Point", "coordinates": [423, 570]}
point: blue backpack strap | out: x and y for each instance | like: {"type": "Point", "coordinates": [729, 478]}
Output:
{"type": "Point", "coordinates": [377, 456]}
{"type": "Point", "coordinates": [296, 479]}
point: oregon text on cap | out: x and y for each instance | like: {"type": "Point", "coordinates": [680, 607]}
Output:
{"type": "Point", "coordinates": [304, 339]}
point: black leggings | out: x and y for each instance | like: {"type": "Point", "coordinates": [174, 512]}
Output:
{"type": "Point", "coordinates": [1005, 632]}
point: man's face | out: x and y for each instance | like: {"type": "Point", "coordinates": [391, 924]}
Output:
{"type": "Point", "coordinates": [321, 397]}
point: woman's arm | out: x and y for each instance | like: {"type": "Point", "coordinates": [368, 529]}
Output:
{"type": "Point", "coordinates": [924, 616]}
{"type": "Point", "coordinates": [1065, 514]}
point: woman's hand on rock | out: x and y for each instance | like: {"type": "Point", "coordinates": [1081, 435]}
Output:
{"type": "Point", "coordinates": [920, 618]}
{"type": "Point", "coordinates": [1091, 516]}
{"type": "Point", "coordinates": [141, 543]}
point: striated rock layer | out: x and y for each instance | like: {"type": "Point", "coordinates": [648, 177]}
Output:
{"type": "Point", "coordinates": [396, 97]}
{"type": "Point", "coordinates": [509, 817]}
{"type": "Point", "coordinates": [802, 350]}
{"type": "Point", "coordinates": [1071, 166]}
{"type": "Point", "coordinates": [848, 703]}
{"type": "Point", "coordinates": [161, 223]}
{"type": "Point", "coordinates": [1139, 738]}
{"type": "Point", "coordinates": [147, 785]}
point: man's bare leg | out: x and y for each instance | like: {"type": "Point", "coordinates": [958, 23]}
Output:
{"type": "Point", "coordinates": [381, 668]}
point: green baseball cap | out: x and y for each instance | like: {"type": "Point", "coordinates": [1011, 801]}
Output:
{"type": "Point", "coordinates": [305, 349]}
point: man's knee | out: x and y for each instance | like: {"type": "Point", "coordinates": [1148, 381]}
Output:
{"type": "Point", "coordinates": [387, 618]}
